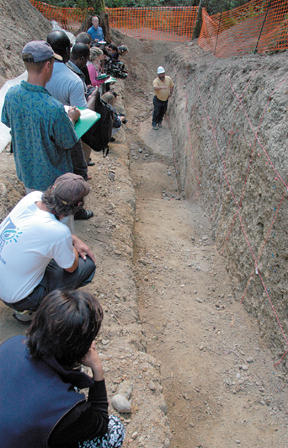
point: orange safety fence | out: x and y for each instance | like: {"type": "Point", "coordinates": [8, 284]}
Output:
{"type": "Point", "coordinates": [68, 18]}
{"type": "Point", "coordinates": [260, 25]}
{"type": "Point", "coordinates": [160, 23]}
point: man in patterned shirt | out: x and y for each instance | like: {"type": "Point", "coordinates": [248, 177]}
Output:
{"type": "Point", "coordinates": [43, 137]}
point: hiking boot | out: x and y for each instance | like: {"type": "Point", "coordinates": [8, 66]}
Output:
{"type": "Point", "coordinates": [24, 317]}
{"type": "Point", "coordinates": [155, 127]}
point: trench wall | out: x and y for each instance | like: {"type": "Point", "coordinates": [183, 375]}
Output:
{"type": "Point", "coordinates": [229, 124]}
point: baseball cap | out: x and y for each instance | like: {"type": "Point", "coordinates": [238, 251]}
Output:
{"type": "Point", "coordinates": [70, 188]}
{"type": "Point", "coordinates": [160, 70]}
{"type": "Point", "coordinates": [38, 51]}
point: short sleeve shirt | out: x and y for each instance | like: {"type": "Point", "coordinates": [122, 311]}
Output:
{"type": "Point", "coordinates": [96, 33]}
{"type": "Point", "coordinates": [42, 134]}
{"type": "Point", "coordinates": [29, 239]}
{"type": "Point", "coordinates": [66, 86]}
{"type": "Point", "coordinates": [163, 94]}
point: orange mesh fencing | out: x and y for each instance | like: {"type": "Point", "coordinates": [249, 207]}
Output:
{"type": "Point", "coordinates": [69, 18]}
{"type": "Point", "coordinates": [160, 23]}
{"type": "Point", "coordinates": [260, 25]}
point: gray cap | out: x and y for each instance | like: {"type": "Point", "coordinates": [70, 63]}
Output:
{"type": "Point", "coordinates": [38, 51]}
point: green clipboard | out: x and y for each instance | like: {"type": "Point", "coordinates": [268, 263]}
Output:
{"type": "Point", "coordinates": [110, 79]}
{"type": "Point", "coordinates": [87, 119]}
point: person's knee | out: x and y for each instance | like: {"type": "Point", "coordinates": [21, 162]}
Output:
{"type": "Point", "coordinates": [87, 268]}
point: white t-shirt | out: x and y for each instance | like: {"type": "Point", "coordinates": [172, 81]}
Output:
{"type": "Point", "coordinates": [29, 239]}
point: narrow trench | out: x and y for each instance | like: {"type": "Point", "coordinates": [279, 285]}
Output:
{"type": "Point", "coordinates": [200, 335]}
{"type": "Point", "coordinates": [162, 236]}
{"type": "Point", "coordinates": [216, 375]}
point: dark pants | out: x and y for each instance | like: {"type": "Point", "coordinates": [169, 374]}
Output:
{"type": "Point", "coordinates": [79, 161]}
{"type": "Point", "coordinates": [159, 111]}
{"type": "Point", "coordinates": [56, 278]}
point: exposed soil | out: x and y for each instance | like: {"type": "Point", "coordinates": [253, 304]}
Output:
{"type": "Point", "coordinates": [172, 328]}
{"type": "Point", "coordinates": [219, 381]}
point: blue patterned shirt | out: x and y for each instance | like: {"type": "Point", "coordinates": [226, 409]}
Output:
{"type": "Point", "coordinates": [41, 135]}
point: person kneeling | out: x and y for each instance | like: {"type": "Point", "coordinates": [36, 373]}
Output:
{"type": "Point", "coordinates": [40, 378]}
{"type": "Point", "coordinates": [38, 253]}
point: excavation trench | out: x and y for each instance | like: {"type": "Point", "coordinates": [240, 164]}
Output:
{"type": "Point", "coordinates": [218, 380]}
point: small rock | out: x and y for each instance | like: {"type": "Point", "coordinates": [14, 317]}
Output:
{"type": "Point", "coordinates": [134, 435]}
{"type": "Point", "coordinates": [140, 150]}
{"type": "Point", "coordinates": [238, 442]}
{"type": "Point", "coordinates": [105, 341]}
{"type": "Point", "coordinates": [168, 173]}
{"type": "Point", "coordinates": [163, 407]}
{"type": "Point", "coordinates": [125, 389]}
{"type": "Point", "coordinates": [152, 386]}
{"type": "Point", "coordinates": [243, 367]}
{"type": "Point", "coordinates": [166, 443]}
{"type": "Point", "coordinates": [199, 300]}
{"type": "Point", "coordinates": [121, 404]}
{"type": "Point", "coordinates": [111, 176]}
{"type": "Point", "coordinates": [249, 360]}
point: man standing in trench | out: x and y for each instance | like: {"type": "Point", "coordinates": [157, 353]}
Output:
{"type": "Point", "coordinates": [163, 88]}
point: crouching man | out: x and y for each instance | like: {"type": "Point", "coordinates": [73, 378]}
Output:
{"type": "Point", "coordinates": [38, 253]}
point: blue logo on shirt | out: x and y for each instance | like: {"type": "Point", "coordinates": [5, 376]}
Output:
{"type": "Point", "coordinates": [8, 234]}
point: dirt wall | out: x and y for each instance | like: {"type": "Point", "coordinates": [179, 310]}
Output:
{"type": "Point", "coordinates": [229, 123]}
{"type": "Point", "coordinates": [20, 23]}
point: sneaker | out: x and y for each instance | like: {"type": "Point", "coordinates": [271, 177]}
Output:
{"type": "Point", "coordinates": [159, 125]}
{"type": "Point", "coordinates": [155, 127]}
{"type": "Point", "coordinates": [23, 316]}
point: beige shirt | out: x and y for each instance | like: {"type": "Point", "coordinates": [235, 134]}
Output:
{"type": "Point", "coordinates": [163, 94]}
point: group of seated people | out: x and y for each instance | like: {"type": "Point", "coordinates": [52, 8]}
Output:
{"type": "Point", "coordinates": [42, 261]}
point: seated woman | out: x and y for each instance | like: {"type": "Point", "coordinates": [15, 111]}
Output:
{"type": "Point", "coordinates": [40, 377]}
{"type": "Point", "coordinates": [94, 66]}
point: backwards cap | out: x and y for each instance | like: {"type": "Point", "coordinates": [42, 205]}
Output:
{"type": "Point", "coordinates": [70, 188]}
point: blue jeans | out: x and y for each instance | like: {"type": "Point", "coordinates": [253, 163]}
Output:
{"type": "Point", "coordinates": [56, 278]}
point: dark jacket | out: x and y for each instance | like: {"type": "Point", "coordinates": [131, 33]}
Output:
{"type": "Point", "coordinates": [35, 395]}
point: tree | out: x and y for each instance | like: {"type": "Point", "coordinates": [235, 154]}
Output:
{"type": "Point", "coordinates": [96, 7]}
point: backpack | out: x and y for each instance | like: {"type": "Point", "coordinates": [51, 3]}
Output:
{"type": "Point", "coordinates": [99, 135]}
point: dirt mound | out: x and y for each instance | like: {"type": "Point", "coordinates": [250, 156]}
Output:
{"type": "Point", "coordinates": [20, 23]}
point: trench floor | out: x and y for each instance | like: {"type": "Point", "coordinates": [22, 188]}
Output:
{"type": "Point", "coordinates": [218, 379]}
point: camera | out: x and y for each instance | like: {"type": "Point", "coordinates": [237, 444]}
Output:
{"type": "Point", "coordinates": [116, 68]}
